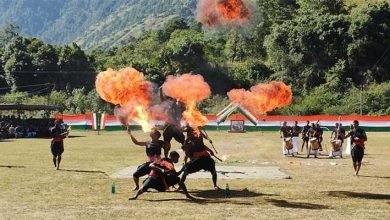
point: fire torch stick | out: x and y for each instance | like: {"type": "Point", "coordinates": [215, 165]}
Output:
{"type": "Point", "coordinates": [218, 158]}
{"type": "Point", "coordinates": [211, 142]}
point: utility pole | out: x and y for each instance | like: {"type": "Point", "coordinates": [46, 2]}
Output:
{"type": "Point", "coordinates": [361, 105]}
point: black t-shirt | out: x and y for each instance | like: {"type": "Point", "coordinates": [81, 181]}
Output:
{"type": "Point", "coordinates": [295, 130]}
{"type": "Point", "coordinates": [358, 133]}
{"type": "Point", "coordinates": [56, 132]}
{"type": "Point", "coordinates": [154, 148]}
{"type": "Point", "coordinates": [286, 131]}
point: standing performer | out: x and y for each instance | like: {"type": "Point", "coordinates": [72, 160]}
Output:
{"type": "Point", "coordinates": [305, 136]}
{"type": "Point", "coordinates": [295, 131]}
{"type": "Point", "coordinates": [57, 143]}
{"type": "Point", "coordinates": [337, 141]}
{"type": "Point", "coordinates": [358, 137]}
{"type": "Point", "coordinates": [162, 176]}
{"type": "Point", "coordinates": [153, 153]}
{"type": "Point", "coordinates": [313, 139]}
{"type": "Point", "coordinates": [199, 155]}
{"type": "Point", "coordinates": [172, 127]}
{"type": "Point", "coordinates": [319, 133]}
{"type": "Point", "coordinates": [285, 134]}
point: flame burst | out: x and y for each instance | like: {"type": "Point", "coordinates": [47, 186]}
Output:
{"type": "Point", "coordinates": [189, 89]}
{"type": "Point", "coordinates": [262, 98]}
{"type": "Point", "coordinates": [213, 13]}
{"type": "Point", "coordinates": [128, 89]}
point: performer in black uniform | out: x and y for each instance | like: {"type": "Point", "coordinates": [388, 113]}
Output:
{"type": "Point", "coordinates": [305, 136]}
{"type": "Point", "coordinates": [162, 176]}
{"type": "Point", "coordinates": [172, 127]}
{"type": "Point", "coordinates": [57, 143]}
{"type": "Point", "coordinates": [358, 137]}
{"type": "Point", "coordinates": [153, 153]}
{"type": "Point", "coordinates": [199, 155]}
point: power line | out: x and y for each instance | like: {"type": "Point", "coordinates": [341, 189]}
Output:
{"type": "Point", "coordinates": [53, 72]}
{"type": "Point", "coordinates": [29, 86]}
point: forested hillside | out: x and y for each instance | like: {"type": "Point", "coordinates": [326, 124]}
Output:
{"type": "Point", "coordinates": [334, 56]}
{"type": "Point", "coordinates": [91, 23]}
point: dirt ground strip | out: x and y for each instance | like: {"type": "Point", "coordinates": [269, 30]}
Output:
{"type": "Point", "coordinates": [224, 172]}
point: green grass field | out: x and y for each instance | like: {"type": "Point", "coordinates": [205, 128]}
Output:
{"type": "Point", "coordinates": [32, 189]}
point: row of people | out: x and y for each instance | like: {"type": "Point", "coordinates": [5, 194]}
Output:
{"type": "Point", "coordinates": [22, 127]}
{"type": "Point", "coordinates": [290, 138]}
{"type": "Point", "coordinates": [312, 138]}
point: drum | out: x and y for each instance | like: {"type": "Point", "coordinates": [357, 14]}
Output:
{"type": "Point", "coordinates": [335, 145]}
{"type": "Point", "coordinates": [288, 143]}
{"type": "Point", "coordinates": [314, 144]}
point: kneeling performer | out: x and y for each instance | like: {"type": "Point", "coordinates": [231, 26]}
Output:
{"type": "Point", "coordinates": [162, 176]}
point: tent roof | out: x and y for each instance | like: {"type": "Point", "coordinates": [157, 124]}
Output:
{"type": "Point", "coordinates": [30, 107]}
{"type": "Point", "coordinates": [231, 108]}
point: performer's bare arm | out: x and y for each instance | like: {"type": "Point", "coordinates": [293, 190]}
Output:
{"type": "Point", "coordinates": [156, 168]}
{"type": "Point", "coordinates": [166, 149]}
{"type": "Point", "coordinates": [135, 141]}
{"type": "Point", "coordinates": [348, 135]}
{"type": "Point", "coordinates": [364, 136]}
{"type": "Point", "coordinates": [162, 98]}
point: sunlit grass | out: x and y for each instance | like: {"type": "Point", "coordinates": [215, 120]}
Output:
{"type": "Point", "coordinates": [33, 189]}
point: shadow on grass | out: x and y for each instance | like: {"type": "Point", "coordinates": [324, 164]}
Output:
{"type": "Point", "coordinates": [363, 195]}
{"type": "Point", "coordinates": [384, 177]}
{"type": "Point", "coordinates": [218, 196]}
{"type": "Point", "coordinates": [204, 201]}
{"type": "Point", "coordinates": [214, 194]}
{"type": "Point", "coordinates": [85, 171]}
{"type": "Point", "coordinates": [7, 140]}
{"type": "Point", "coordinates": [296, 205]}
{"type": "Point", "coordinates": [12, 166]}
{"type": "Point", "coordinates": [76, 136]}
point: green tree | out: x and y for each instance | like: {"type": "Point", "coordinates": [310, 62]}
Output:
{"type": "Point", "coordinates": [183, 52]}
{"type": "Point", "coordinates": [369, 50]}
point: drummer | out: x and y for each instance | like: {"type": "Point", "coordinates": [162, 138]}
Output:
{"type": "Point", "coordinates": [337, 137]}
{"type": "Point", "coordinates": [312, 133]}
{"type": "Point", "coordinates": [285, 133]}
{"type": "Point", "coordinates": [295, 131]}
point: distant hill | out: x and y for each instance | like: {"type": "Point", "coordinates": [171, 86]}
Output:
{"type": "Point", "coordinates": [91, 23]}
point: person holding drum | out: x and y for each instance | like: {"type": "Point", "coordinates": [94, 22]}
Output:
{"type": "Point", "coordinates": [295, 131]}
{"type": "Point", "coordinates": [305, 136]}
{"type": "Point", "coordinates": [319, 134]}
{"type": "Point", "coordinates": [285, 134]}
{"type": "Point", "coordinates": [313, 141]}
{"type": "Point", "coordinates": [358, 137]}
{"type": "Point", "coordinates": [337, 141]}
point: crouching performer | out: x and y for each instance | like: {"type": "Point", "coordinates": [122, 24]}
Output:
{"type": "Point", "coordinates": [162, 176]}
{"type": "Point", "coordinates": [199, 155]}
{"type": "Point", "coordinates": [153, 153]}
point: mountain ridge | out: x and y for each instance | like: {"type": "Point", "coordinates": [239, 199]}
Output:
{"type": "Point", "coordinates": [92, 24]}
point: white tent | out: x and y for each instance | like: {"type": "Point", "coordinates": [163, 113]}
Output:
{"type": "Point", "coordinates": [228, 110]}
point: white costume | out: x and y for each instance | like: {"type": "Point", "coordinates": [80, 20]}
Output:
{"type": "Point", "coordinates": [336, 152]}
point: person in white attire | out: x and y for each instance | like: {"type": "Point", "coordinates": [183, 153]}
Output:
{"type": "Point", "coordinates": [285, 134]}
{"type": "Point", "coordinates": [295, 131]}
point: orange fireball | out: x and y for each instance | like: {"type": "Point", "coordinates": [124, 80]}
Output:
{"type": "Point", "coordinates": [262, 98]}
{"type": "Point", "coordinates": [128, 89]}
{"type": "Point", "coordinates": [189, 89]}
